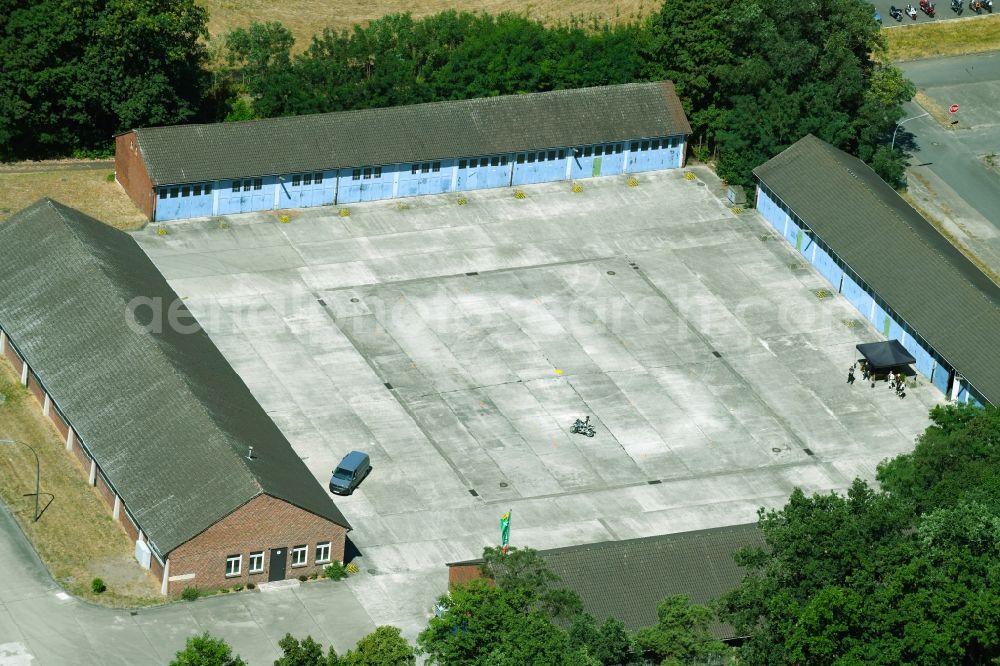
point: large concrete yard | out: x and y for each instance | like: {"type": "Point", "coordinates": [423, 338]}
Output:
{"type": "Point", "coordinates": [457, 344]}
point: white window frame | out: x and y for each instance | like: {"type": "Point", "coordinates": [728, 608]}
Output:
{"type": "Point", "coordinates": [238, 559]}
{"type": "Point", "coordinates": [325, 559]}
{"type": "Point", "coordinates": [304, 550]}
{"type": "Point", "coordinates": [250, 567]}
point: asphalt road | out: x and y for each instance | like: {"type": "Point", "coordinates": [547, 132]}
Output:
{"type": "Point", "coordinates": [957, 156]}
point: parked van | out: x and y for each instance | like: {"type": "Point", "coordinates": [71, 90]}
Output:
{"type": "Point", "coordinates": [349, 473]}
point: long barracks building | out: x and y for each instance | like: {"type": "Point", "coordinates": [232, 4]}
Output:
{"type": "Point", "coordinates": [190, 171]}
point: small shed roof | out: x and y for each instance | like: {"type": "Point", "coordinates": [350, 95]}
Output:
{"type": "Point", "coordinates": [164, 414]}
{"type": "Point", "coordinates": [925, 279]}
{"type": "Point", "coordinates": [885, 354]}
{"type": "Point", "coordinates": [405, 134]}
{"type": "Point", "coordinates": [627, 579]}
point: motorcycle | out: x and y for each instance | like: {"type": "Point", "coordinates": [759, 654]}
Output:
{"type": "Point", "coordinates": [912, 13]}
{"type": "Point", "coordinates": [976, 6]}
{"type": "Point", "coordinates": [957, 6]}
{"type": "Point", "coordinates": [583, 428]}
{"type": "Point", "coordinates": [988, 5]}
{"type": "Point", "coordinates": [897, 13]}
{"type": "Point", "coordinates": [927, 7]}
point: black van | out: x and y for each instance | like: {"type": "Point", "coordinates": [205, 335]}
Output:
{"type": "Point", "coordinates": [349, 473]}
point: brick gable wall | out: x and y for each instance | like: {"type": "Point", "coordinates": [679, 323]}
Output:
{"type": "Point", "coordinates": [262, 524]}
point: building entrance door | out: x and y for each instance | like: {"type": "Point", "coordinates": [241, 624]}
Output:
{"type": "Point", "coordinates": [276, 570]}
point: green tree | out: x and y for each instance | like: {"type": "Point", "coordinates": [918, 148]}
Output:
{"type": "Point", "coordinates": [485, 625]}
{"type": "Point", "coordinates": [609, 644]}
{"type": "Point", "coordinates": [524, 569]}
{"type": "Point", "coordinates": [306, 652]}
{"type": "Point", "coordinates": [680, 635]}
{"type": "Point", "coordinates": [203, 650]}
{"type": "Point", "coordinates": [254, 50]}
{"type": "Point", "coordinates": [383, 647]}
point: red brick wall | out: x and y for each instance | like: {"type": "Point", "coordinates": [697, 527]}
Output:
{"type": "Point", "coordinates": [104, 490]}
{"type": "Point", "coordinates": [130, 170]}
{"type": "Point", "coordinates": [58, 421]}
{"type": "Point", "coordinates": [460, 574]}
{"type": "Point", "coordinates": [261, 524]}
{"type": "Point", "coordinates": [12, 356]}
{"type": "Point", "coordinates": [130, 528]}
{"type": "Point", "coordinates": [35, 388]}
{"type": "Point", "coordinates": [82, 456]}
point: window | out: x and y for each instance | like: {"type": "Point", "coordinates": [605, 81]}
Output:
{"type": "Point", "coordinates": [588, 151]}
{"type": "Point", "coordinates": [318, 179]}
{"type": "Point", "coordinates": [258, 183]}
{"type": "Point", "coordinates": [197, 190]}
{"type": "Point", "coordinates": [246, 185]}
{"type": "Point", "coordinates": [618, 148]}
{"type": "Point", "coordinates": [437, 167]}
{"type": "Point", "coordinates": [322, 552]}
{"type": "Point", "coordinates": [634, 146]}
{"type": "Point", "coordinates": [174, 192]}
{"type": "Point", "coordinates": [541, 156]}
{"type": "Point", "coordinates": [163, 193]}
{"type": "Point", "coordinates": [463, 164]}
{"type": "Point", "coordinates": [473, 163]}
{"type": "Point", "coordinates": [366, 173]}
{"type": "Point", "coordinates": [413, 169]}
{"type": "Point", "coordinates": [531, 158]}
{"type": "Point", "coordinates": [645, 145]}
{"type": "Point", "coordinates": [208, 188]}
{"type": "Point", "coordinates": [656, 144]}
{"type": "Point", "coordinates": [562, 153]}
{"type": "Point", "coordinates": [185, 191]}
{"type": "Point", "coordinates": [356, 174]}
{"type": "Point", "coordinates": [296, 179]}
{"type": "Point", "coordinates": [503, 160]}
{"type": "Point", "coordinates": [307, 179]}
{"type": "Point", "coordinates": [598, 151]}
{"type": "Point", "coordinates": [233, 565]}
{"type": "Point", "coordinates": [425, 167]}
{"type": "Point", "coordinates": [378, 172]}
{"type": "Point", "coordinates": [494, 161]}
{"type": "Point", "coordinates": [300, 556]}
{"type": "Point", "coordinates": [236, 186]}
{"type": "Point", "coordinates": [257, 562]}
{"type": "Point", "coordinates": [520, 158]}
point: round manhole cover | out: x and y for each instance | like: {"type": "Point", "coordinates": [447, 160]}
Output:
{"type": "Point", "coordinates": [776, 449]}
{"type": "Point", "coordinates": [372, 571]}
{"type": "Point", "coordinates": [503, 484]}
{"type": "Point", "coordinates": [355, 300]}
{"type": "Point", "coordinates": [611, 272]}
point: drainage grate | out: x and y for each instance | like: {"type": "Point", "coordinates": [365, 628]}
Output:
{"type": "Point", "coordinates": [611, 272]}
{"type": "Point", "coordinates": [503, 484]}
{"type": "Point", "coordinates": [797, 267]}
{"type": "Point", "coordinates": [473, 273]}
{"type": "Point", "coordinates": [355, 300]}
{"type": "Point", "coordinates": [472, 491]}
{"type": "Point", "coordinates": [321, 302]}
{"type": "Point", "coordinates": [654, 482]}
{"type": "Point", "coordinates": [388, 386]}
{"type": "Point", "coordinates": [765, 238]}
{"type": "Point", "coordinates": [716, 354]}
{"type": "Point", "coordinates": [809, 452]}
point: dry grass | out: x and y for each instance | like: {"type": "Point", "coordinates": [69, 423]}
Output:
{"type": "Point", "coordinates": [938, 112]}
{"type": "Point", "coordinates": [308, 17]}
{"type": "Point", "coordinates": [971, 34]}
{"type": "Point", "coordinates": [86, 190]}
{"type": "Point", "coordinates": [76, 536]}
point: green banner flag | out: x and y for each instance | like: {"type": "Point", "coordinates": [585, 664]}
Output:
{"type": "Point", "coordinates": [504, 532]}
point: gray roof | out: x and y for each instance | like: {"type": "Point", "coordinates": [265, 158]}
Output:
{"type": "Point", "coordinates": [929, 283]}
{"type": "Point", "coordinates": [627, 579]}
{"type": "Point", "coordinates": [166, 417]}
{"type": "Point", "coordinates": [404, 134]}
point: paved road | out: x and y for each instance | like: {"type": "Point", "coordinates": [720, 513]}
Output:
{"type": "Point", "coordinates": [943, 12]}
{"type": "Point", "coordinates": [952, 160]}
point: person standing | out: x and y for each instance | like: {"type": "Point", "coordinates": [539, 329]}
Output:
{"type": "Point", "coordinates": [891, 379]}
{"type": "Point", "coordinates": [850, 375]}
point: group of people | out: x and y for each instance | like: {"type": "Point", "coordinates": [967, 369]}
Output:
{"type": "Point", "coordinates": [896, 381]}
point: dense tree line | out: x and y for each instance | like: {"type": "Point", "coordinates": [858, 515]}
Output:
{"type": "Point", "coordinates": [754, 77]}
{"type": "Point", "coordinates": [909, 574]}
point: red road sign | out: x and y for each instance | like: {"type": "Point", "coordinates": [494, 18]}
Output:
{"type": "Point", "coordinates": [954, 108]}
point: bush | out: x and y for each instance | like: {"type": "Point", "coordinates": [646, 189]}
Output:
{"type": "Point", "coordinates": [303, 578]}
{"type": "Point", "coordinates": [97, 586]}
{"type": "Point", "coordinates": [237, 588]}
{"type": "Point", "coordinates": [110, 177]}
{"type": "Point", "coordinates": [223, 590]}
{"type": "Point", "coordinates": [251, 586]}
{"type": "Point", "coordinates": [335, 571]}
{"type": "Point", "coordinates": [190, 593]}
{"type": "Point", "coordinates": [313, 576]}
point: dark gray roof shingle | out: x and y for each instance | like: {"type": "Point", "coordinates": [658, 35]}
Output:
{"type": "Point", "coordinates": [627, 579]}
{"type": "Point", "coordinates": [404, 134]}
{"type": "Point", "coordinates": [940, 294]}
{"type": "Point", "coordinates": [164, 414]}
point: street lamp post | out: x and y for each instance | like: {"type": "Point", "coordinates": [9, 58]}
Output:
{"type": "Point", "coordinates": [38, 472]}
{"type": "Point", "coordinates": [893, 145]}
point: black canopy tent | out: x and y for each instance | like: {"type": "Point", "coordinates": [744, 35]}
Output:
{"type": "Point", "coordinates": [885, 355]}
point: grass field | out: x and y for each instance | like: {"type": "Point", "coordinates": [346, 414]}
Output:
{"type": "Point", "coordinates": [308, 17]}
{"type": "Point", "coordinates": [973, 34]}
{"type": "Point", "coordinates": [87, 190]}
{"type": "Point", "coordinates": [75, 537]}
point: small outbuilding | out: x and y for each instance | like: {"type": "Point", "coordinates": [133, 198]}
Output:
{"type": "Point", "coordinates": [886, 355]}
